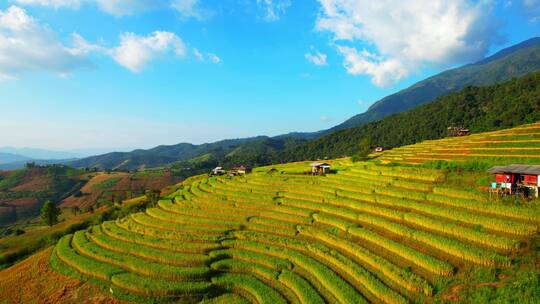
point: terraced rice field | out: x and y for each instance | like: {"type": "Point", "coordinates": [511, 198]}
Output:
{"type": "Point", "coordinates": [521, 143]}
{"type": "Point", "coordinates": [367, 234]}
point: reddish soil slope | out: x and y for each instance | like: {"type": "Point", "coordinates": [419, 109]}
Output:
{"type": "Point", "coordinates": [34, 281]}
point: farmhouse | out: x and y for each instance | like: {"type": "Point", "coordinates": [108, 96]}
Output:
{"type": "Point", "coordinates": [517, 179]}
{"type": "Point", "coordinates": [240, 170]}
{"type": "Point", "coordinates": [217, 171]}
{"type": "Point", "coordinates": [458, 131]}
{"type": "Point", "coordinates": [320, 168]}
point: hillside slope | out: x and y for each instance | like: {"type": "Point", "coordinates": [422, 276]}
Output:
{"type": "Point", "coordinates": [22, 192]}
{"type": "Point", "coordinates": [511, 62]}
{"type": "Point", "coordinates": [480, 109]}
{"type": "Point", "coordinates": [366, 234]}
{"type": "Point", "coordinates": [516, 145]}
{"type": "Point", "coordinates": [34, 281]}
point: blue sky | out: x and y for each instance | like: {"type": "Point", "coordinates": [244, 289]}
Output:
{"type": "Point", "coordinates": [122, 74]}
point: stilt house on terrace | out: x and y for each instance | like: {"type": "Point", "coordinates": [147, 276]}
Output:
{"type": "Point", "coordinates": [320, 168]}
{"type": "Point", "coordinates": [516, 179]}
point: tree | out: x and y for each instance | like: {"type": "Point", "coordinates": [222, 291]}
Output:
{"type": "Point", "coordinates": [152, 196]}
{"type": "Point", "coordinates": [364, 148]}
{"type": "Point", "coordinates": [50, 213]}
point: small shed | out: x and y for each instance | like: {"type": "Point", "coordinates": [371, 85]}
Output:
{"type": "Point", "coordinates": [458, 131]}
{"type": "Point", "coordinates": [320, 168]}
{"type": "Point", "coordinates": [379, 149]}
{"type": "Point", "coordinates": [517, 179]}
{"type": "Point", "coordinates": [218, 171]}
{"type": "Point", "coordinates": [240, 170]}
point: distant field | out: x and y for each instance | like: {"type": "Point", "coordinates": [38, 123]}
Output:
{"type": "Point", "coordinates": [369, 233]}
{"type": "Point", "coordinates": [517, 145]}
{"type": "Point", "coordinates": [103, 187]}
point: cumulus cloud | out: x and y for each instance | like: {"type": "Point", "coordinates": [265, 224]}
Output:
{"type": "Point", "coordinates": [274, 9]}
{"type": "Point", "coordinates": [316, 57]}
{"type": "Point", "coordinates": [190, 9]}
{"type": "Point", "coordinates": [26, 45]}
{"type": "Point", "coordinates": [389, 39]}
{"type": "Point", "coordinates": [134, 51]}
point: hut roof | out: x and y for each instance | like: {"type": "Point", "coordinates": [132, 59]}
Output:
{"type": "Point", "coordinates": [517, 169]}
{"type": "Point", "coordinates": [320, 165]}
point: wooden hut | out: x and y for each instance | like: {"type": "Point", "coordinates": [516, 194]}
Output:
{"type": "Point", "coordinates": [320, 168]}
{"type": "Point", "coordinates": [240, 170]}
{"type": "Point", "coordinates": [458, 131]}
{"type": "Point", "coordinates": [217, 171]}
{"type": "Point", "coordinates": [517, 179]}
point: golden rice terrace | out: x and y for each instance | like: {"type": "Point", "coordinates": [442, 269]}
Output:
{"type": "Point", "coordinates": [520, 144]}
{"type": "Point", "coordinates": [367, 234]}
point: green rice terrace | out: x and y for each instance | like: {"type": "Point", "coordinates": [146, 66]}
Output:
{"type": "Point", "coordinates": [520, 144]}
{"type": "Point", "coordinates": [366, 233]}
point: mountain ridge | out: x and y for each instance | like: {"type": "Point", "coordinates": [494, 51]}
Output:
{"type": "Point", "coordinates": [487, 71]}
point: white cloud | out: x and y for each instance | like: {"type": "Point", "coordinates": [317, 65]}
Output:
{"type": "Point", "coordinates": [198, 54]}
{"type": "Point", "coordinates": [214, 58]}
{"type": "Point", "coordinates": [403, 36]}
{"type": "Point", "coordinates": [186, 8]}
{"type": "Point", "coordinates": [274, 9]}
{"type": "Point", "coordinates": [209, 56]}
{"type": "Point", "coordinates": [190, 9]}
{"type": "Point", "coordinates": [317, 58]}
{"type": "Point", "coordinates": [26, 45]}
{"type": "Point", "coordinates": [383, 72]}
{"type": "Point", "coordinates": [326, 118]}
{"type": "Point", "coordinates": [128, 7]}
{"type": "Point", "coordinates": [532, 9]}
{"type": "Point", "coordinates": [134, 51]}
{"type": "Point", "coordinates": [52, 3]}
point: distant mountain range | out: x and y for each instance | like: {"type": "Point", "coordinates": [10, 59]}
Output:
{"type": "Point", "coordinates": [254, 150]}
{"type": "Point", "coordinates": [32, 153]}
{"type": "Point", "coordinates": [15, 158]}
{"type": "Point", "coordinates": [515, 61]}
{"type": "Point", "coordinates": [6, 158]}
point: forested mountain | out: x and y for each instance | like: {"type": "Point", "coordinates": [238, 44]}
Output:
{"type": "Point", "coordinates": [256, 150]}
{"type": "Point", "coordinates": [508, 63]}
{"type": "Point", "coordinates": [480, 109]}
